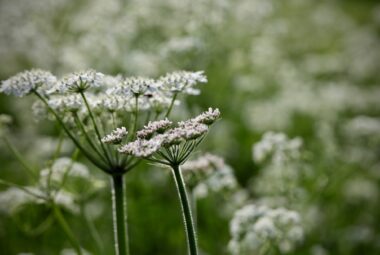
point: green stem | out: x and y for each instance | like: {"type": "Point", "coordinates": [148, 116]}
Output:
{"type": "Point", "coordinates": [25, 189]}
{"type": "Point", "coordinates": [93, 231]}
{"type": "Point", "coordinates": [66, 228]}
{"type": "Point", "coordinates": [18, 156]}
{"type": "Point", "coordinates": [75, 141]}
{"type": "Point", "coordinates": [86, 136]}
{"type": "Point", "coordinates": [186, 211]}
{"type": "Point", "coordinates": [171, 105]}
{"type": "Point", "coordinates": [55, 156]}
{"type": "Point", "coordinates": [119, 215]}
{"type": "Point", "coordinates": [95, 127]}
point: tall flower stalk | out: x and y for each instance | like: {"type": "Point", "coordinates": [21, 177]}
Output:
{"type": "Point", "coordinates": [160, 143]}
{"type": "Point", "coordinates": [89, 106]}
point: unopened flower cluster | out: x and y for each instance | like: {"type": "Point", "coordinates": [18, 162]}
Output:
{"type": "Point", "coordinates": [116, 136]}
{"type": "Point", "coordinates": [255, 229]}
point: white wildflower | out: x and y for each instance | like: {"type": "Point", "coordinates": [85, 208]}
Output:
{"type": "Point", "coordinates": [67, 201]}
{"type": "Point", "coordinates": [160, 101]}
{"type": "Point", "coordinates": [63, 167]}
{"type": "Point", "coordinates": [141, 148]}
{"type": "Point", "coordinates": [277, 145]}
{"type": "Point", "coordinates": [134, 86]}
{"type": "Point", "coordinates": [116, 136]}
{"type": "Point", "coordinates": [25, 82]}
{"type": "Point", "coordinates": [183, 81]}
{"type": "Point", "coordinates": [221, 180]}
{"type": "Point", "coordinates": [159, 126]}
{"type": "Point", "coordinates": [192, 130]}
{"type": "Point", "coordinates": [186, 131]}
{"type": "Point", "coordinates": [205, 163]}
{"type": "Point", "coordinates": [254, 227]}
{"type": "Point", "coordinates": [363, 126]}
{"type": "Point", "coordinates": [79, 81]}
{"type": "Point", "coordinates": [113, 103]}
{"type": "Point", "coordinates": [208, 117]}
{"type": "Point", "coordinates": [13, 198]}
{"type": "Point", "coordinates": [61, 103]}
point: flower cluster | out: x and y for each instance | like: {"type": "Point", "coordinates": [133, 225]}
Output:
{"type": "Point", "coordinates": [25, 82]}
{"type": "Point", "coordinates": [60, 168]}
{"type": "Point", "coordinates": [154, 127]}
{"type": "Point", "coordinates": [283, 169]}
{"type": "Point", "coordinates": [116, 136]}
{"type": "Point", "coordinates": [198, 170]}
{"type": "Point", "coordinates": [187, 134]}
{"type": "Point", "coordinates": [62, 181]}
{"type": "Point", "coordinates": [62, 103]}
{"type": "Point", "coordinates": [206, 163]}
{"type": "Point", "coordinates": [256, 229]}
{"type": "Point", "coordinates": [206, 118]}
{"type": "Point", "coordinates": [278, 146]}
{"type": "Point", "coordinates": [183, 81]}
{"type": "Point", "coordinates": [79, 81]}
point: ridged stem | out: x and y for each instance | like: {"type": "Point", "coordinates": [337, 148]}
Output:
{"type": "Point", "coordinates": [186, 211]}
{"type": "Point", "coordinates": [119, 215]}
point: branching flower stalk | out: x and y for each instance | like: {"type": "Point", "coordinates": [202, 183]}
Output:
{"type": "Point", "coordinates": [46, 194]}
{"type": "Point", "coordinates": [160, 143]}
{"type": "Point", "coordinates": [88, 105]}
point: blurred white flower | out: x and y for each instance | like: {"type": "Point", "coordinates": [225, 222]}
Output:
{"type": "Point", "coordinates": [255, 228]}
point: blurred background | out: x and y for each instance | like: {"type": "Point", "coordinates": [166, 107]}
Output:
{"type": "Point", "coordinates": [297, 80]}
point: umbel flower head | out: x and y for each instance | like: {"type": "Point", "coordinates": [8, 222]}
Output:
{"type": "Point", "coordinates": [79, 81]}
{"type": "Point", "coordinates": [116, 136]}
{"type": "Point", "coordinates": [154, 127]}
{"type": "Point", "coordinates": [171, 146]}
{"type": "Point", "coordinates": [25, 82]}
{"type": "Point", "coordinates": [183, 81]}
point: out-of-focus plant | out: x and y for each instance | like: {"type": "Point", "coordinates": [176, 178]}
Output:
{"type": "Point", "coordinates": [262, 230]}
{"type": "Point", "coordinates": [62, 185]}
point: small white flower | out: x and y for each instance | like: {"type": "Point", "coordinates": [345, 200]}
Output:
{"type": "Point", "coordinates": [258, 225]}
{"type": "Point", "coordinates": [205, 163]}
{"type": "Point", "coordinates": [159, 126]}
{"type": "Point", "coordinates": [25, 82]}
{"type": "Point", "coordinates": [63, 167]}
{"type": "Point", "coordinates": [208, 117]}
{"type": "Point", "coordinates": [134, 86]}
{"type": "Point", "coordinates": [141, 148]}
{"type": "Point", "coordinates": [71, 102]}
{"type": "Point", "coordinates": [278, 146]}
{"type": "Point", "coordinates": [79, 81]}
{"type": "Point", "coordinates": [116, 136]}
{"type": "Point", "coordinates": [183, 81]}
